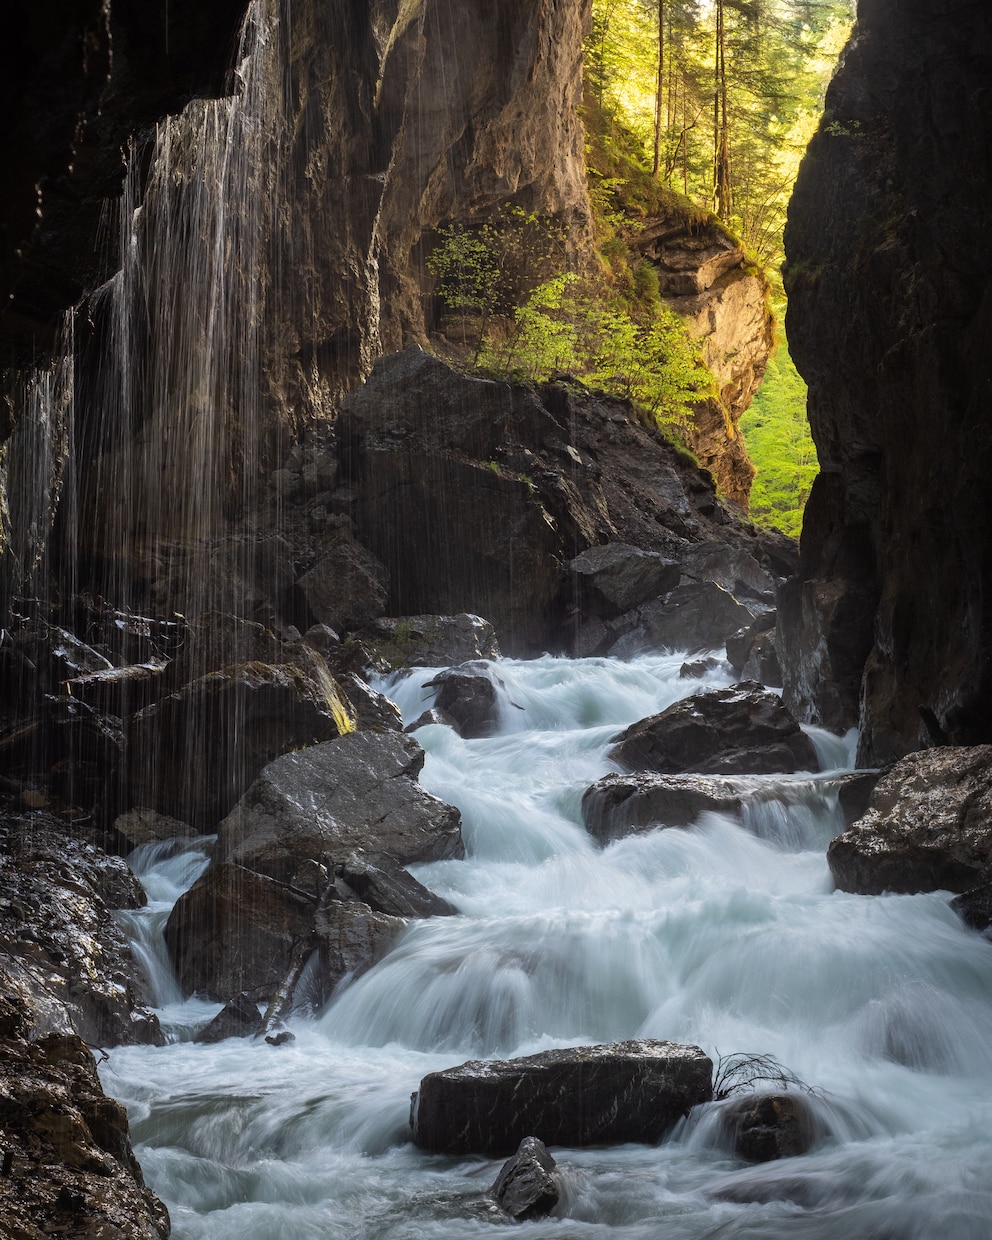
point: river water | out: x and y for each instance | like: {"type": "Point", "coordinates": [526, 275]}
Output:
{"type": "Point", "coordinates": [728, 935]}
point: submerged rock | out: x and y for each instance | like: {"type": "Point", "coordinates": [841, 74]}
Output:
{"type": "Point", "coordinates": [741, 730]}
{"type": "Point", "coordinates": [582, 1095]}
{"type": "Point", "coordinates": [974, 907]}
{"type": "Point", "coordinates": [527, 1185]}
{"type": "Point", "coordinates": [764, 1127]}
{"type": "Point", "coordinates": [620, 805]}
{"type": "Point", "coordinates": [928, 826]}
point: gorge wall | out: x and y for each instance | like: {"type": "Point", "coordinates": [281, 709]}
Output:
{"type": "Point", "coordinates": [889, 276]}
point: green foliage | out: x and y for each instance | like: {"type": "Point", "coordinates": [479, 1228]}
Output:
{"type": "Point", "coordinates": [565, 326]}
{"type": "Point", "coordinates": [778, 441]}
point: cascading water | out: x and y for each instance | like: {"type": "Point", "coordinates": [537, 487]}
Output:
{"type": "Point", "coordinates": [728, 934]}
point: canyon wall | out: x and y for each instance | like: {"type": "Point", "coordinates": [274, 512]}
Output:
{"type": "Point", "coordinates": [889, 275]}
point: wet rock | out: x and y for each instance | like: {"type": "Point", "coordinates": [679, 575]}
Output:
{"type": "Point", "coordinates": [928, 826]}
{"type": "Point", "coordinates": [762, 663]}
{"type": "Point", "coordinates": [347, 587]}
{"type": "Point", "coordinates": [695, 616]}
{"type": "Point", "coordinates": [467, 695]}
{"type": "Point", "coordinates": [381, 882]}
{"type": "Point", "coordinates": [431, 641]}
{"type": "Point", "coordinates": [67, 1148]}
{"type": "Point", "coordinates": [697, 668]}
{"type": "Point", "coordinates": [974, 907]}
{"type": "Point", "coordinates": [854, 794]}
{"type": "Point", "coordinates": [741, 643]}
{"type": "Point", "coordinates": [432, 716]}
{"type": "Point", "coordinates": [527, 1185]}
{"type": "Point", "coordinates": [374, 711]}
{"type": "Point", "coordinates": [583, 1095]}
{"type": "Point", "coordinates": [145, 826]}
{"type": "Point", "coordinates": [64, 956]}
{"type": "Point", "coordinates": [741, 730]}
{"type": "Point", "coordinates": [195, 752]}
{"type": "Point", "coordinates": [351, 937]}
{"type": "Point", "coordinates": [321, 804]}
{"type": "Point", "coordinates": [764, 1127]}
{"type": "Point", "coordinates": [615, 577]}
{"type": "Point", "coordinates": [620, 805]}
{"type": "Point", "coordinates": [238, 1018]}
{"type": "Point", "coordinates": [734, 569]}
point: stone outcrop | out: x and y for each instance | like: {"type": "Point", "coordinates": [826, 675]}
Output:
{"type": "Point", "coordinates": [928, 827]}
{"type": "Point", "coordinates": [584, 1095]}
{"type": "Point", "coordinates": [889, 275]}
{"type": "Point", "coordinates": [431, 641]}
{"type": "Point", "coordinates": [742, 730]}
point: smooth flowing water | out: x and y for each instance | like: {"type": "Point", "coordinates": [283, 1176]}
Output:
{"type": "Point", "coordinates": [728, 934]}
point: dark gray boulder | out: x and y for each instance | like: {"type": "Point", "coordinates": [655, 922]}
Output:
{"type": "Point", "coordinates": [764, 1127]}
{"type": "Point", "coordinates": [928, 826]}
{"type": "Point", "coordinates": [238, 1018]}
{"type": "Point", "coordinates": [613, 578]}
{"type": "Point", "coordinates": [323, 803]}
{"type": "Point", "coordinates": [699, 615]}
{"type": "Point", "coordinates": [620, 805]}
{"type": "Point", "coordinates": [431, 641]}
{"type": "Point", "coordinates": [974, 907]}
{"type": "Point", "coordinates": [741, 730]}
{"type": "Point", "coordinates": [467, 695]}
{"type": "Point", "coordinates": [347, 587]}
{"type": "Point", "coordinates": [381, 882]}
{"type": "Point", "coordinates": [582, 1095]}
{"type": "Point", "coordinates": [527, 1185]}
{"type": "Point", "coordinates": [195, 752]}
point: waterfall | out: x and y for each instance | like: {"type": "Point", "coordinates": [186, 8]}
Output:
{"type": "Point", "coordinates": [727, 934]}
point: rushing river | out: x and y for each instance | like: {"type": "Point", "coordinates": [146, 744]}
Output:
{"type": "Point", "coordinates": [728, 935]}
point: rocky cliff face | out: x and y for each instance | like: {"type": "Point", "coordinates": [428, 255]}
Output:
{"type": "Point", "coordinates": [890, 321]}
{"type": "Point", "coordinates": [704, 275]}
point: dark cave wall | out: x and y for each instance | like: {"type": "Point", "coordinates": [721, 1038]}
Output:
{"type": "Point", "coordinates": [889, 274]}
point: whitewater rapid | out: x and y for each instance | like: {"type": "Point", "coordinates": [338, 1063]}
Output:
{"type": "Point", "coordinates": [728, 935]}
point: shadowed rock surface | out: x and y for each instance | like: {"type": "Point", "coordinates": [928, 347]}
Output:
{"type": "Point", "coordinates": [381, 882]}
{"type": "Point", "coordinates": [741, 730]}
{"type": "Point", "coordinates": [583, 1095]}
{"type": "Point", "coordinates": [928, 826]}
{"type": "Point", "coordinates": [764, 1127]}
{"type": "Point", "coordinates": [889, 274]}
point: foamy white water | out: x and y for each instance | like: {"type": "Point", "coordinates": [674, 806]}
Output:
{"type": "Point", "coordinates": [728, 934]}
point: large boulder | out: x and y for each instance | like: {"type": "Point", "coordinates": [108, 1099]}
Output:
{"type": "Point", "coordinates": [196, 751]}
{"type": "Point", "coordinates": [528, 1185]}
{"type": "Point", "coordinates": [323, 803]}
{"type": "Point", "coordinates": [582, 1095]}
{"type": "Point", "coordinates": [431, 641]}
{"type": "Point", "coordinates": [237, 931]}
{"type": "Point", "coordinates": [699, 615]}
{"type": "Point", "coordinates": [620, 805]}
{"type": "Point", "coordinates": [614, 578]}
{"type": "Point", "coordinates": [928, 826]}
{"type": "Point", "coordinates": [740, 730]}
{"type": "Point", "coordinates": [467, 697]}
{"type": "Point", "coordinates": [347, 587]}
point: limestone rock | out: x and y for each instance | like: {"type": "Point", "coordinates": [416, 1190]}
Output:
{"type": "Point", "coordinates": [928, 826]}
{"type": "Point", "coordinates": [382, 883]}
{"type": "Point", "coordinates": [527, 1185]}
{"type": "Point", "coordinates": [742, 730]}
{"type": "Point", "coordinates": [321, 804]}
{"type": "Point", "coordinates": [584, 1095]}
{"type": "Point", "coordinates": [764, 1127]}
{"type": "Point", "coordinates": [431, 641]}
{"type": "Point", "coordinates": [620, 805]}
{"type": "Point", "coordinates": [196, 751]}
